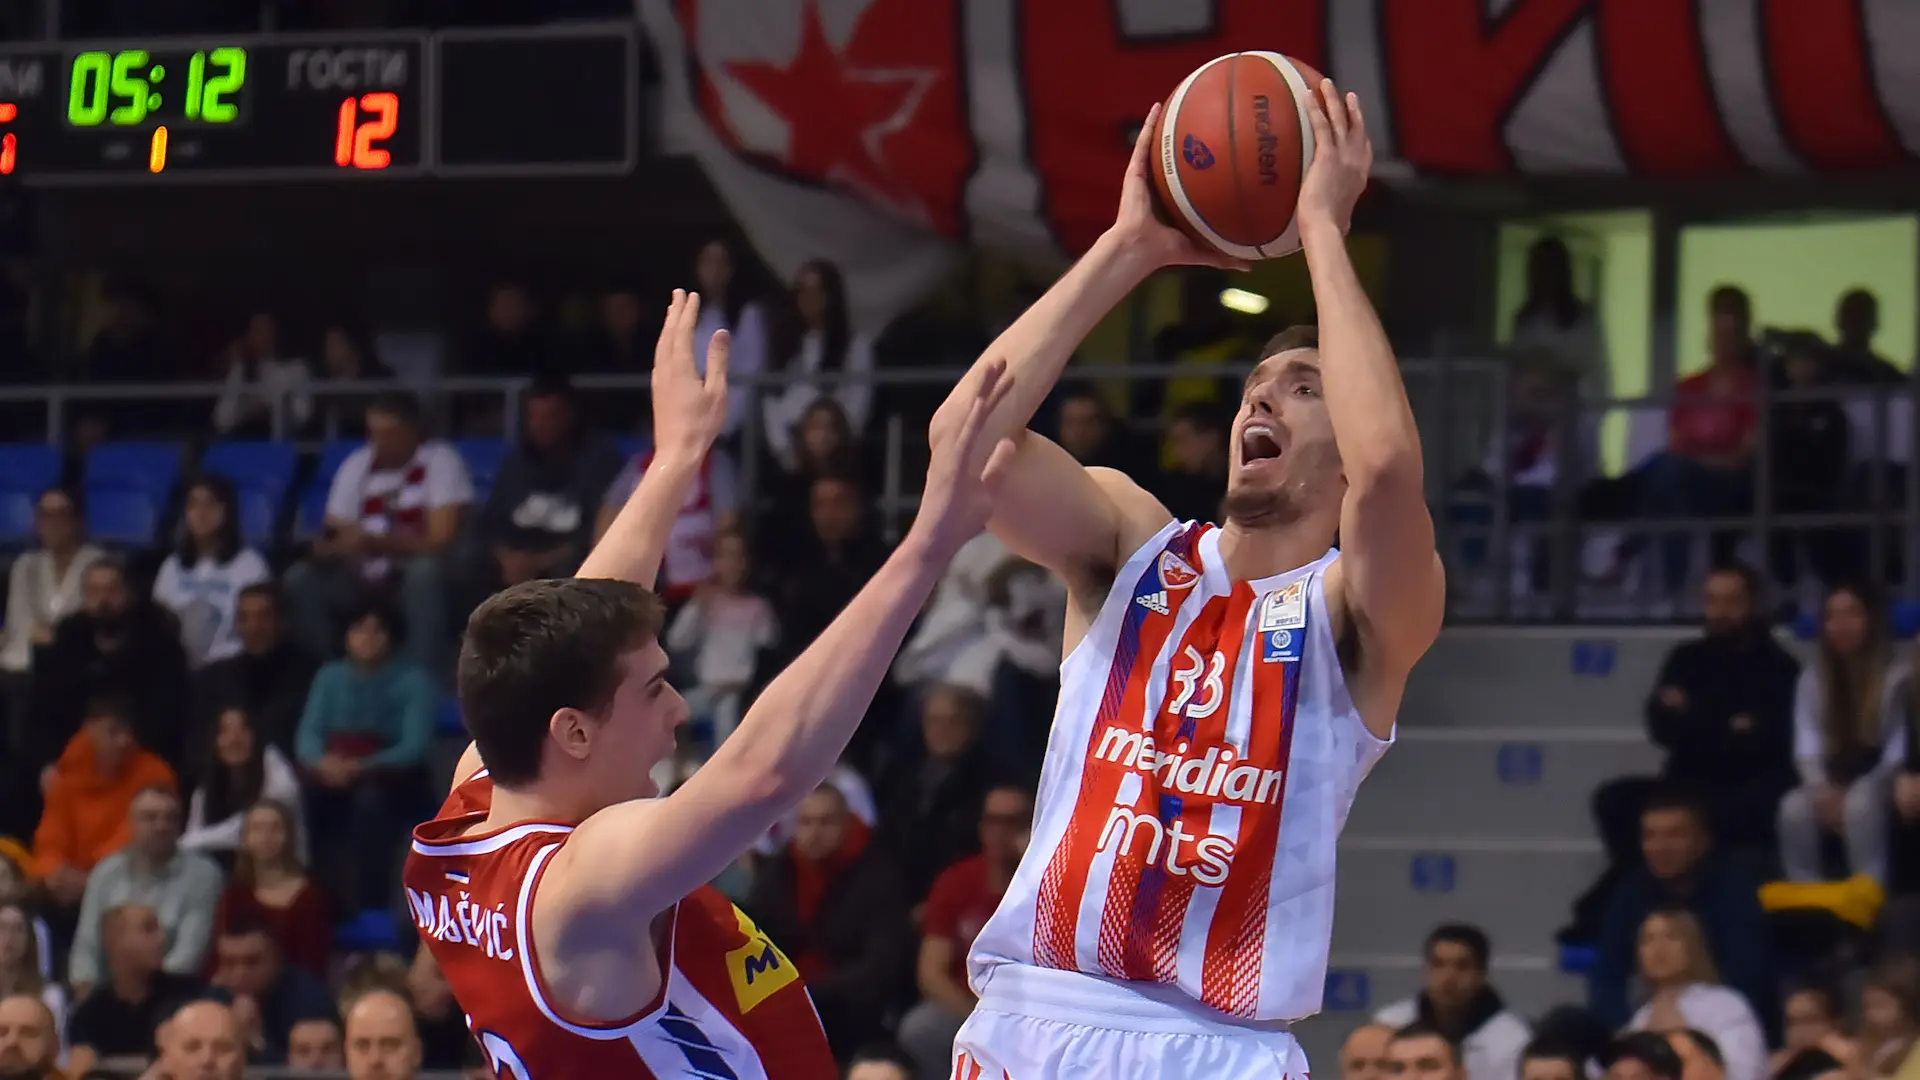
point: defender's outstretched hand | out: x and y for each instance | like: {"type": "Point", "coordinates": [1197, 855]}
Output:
{"type": "Point", "coordinates": [688, 410]}
{"type": "Point", "coordinates": [1138, 223]}
{"type": "Point", "coordinates": [965, 472]}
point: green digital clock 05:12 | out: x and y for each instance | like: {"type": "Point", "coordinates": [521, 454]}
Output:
{"type": "Point", "coordinates": [131, 87]}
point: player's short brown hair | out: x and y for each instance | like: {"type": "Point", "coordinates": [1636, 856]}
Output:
{"type": "Point", "coordinates": [1300, 336]}
{"type": "Point", "coordinates": [533, 649]}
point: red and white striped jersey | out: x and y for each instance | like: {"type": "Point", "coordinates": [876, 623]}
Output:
{"type": "Point", "coordinates": [732, 1006]}
{"type": "Point", "coordinates": [1203, 760]}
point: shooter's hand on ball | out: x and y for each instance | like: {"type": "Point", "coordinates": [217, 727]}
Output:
{"type": "Point", "coordinates": [1138, 224]}
{"type": "Point", "coordinates": [1342, 160]}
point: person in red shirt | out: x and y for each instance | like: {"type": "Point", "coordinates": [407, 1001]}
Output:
{"type": "Point", "coordinates": [963, 897]}
{"type": "Point", "coordinates": [1707, 468]}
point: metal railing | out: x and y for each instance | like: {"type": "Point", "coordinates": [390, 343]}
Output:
{"type": "Point", "coordinates": [1461, 402]}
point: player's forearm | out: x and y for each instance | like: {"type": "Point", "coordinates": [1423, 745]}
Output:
{"type": "Point", "coordinates": [637, 540]}
{"type": "Point", "coordinates": [1038, 344]}
{"type": "Point", "coordinates": [802, 721]}
{"type": "Point", "coordinates": [1366, 400]}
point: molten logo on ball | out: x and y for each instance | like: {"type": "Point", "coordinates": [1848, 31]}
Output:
{"type": "Point", "coordinates": [1196, 153]}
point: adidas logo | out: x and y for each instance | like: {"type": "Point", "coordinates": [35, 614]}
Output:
{"type": "Point", "coordinates": [1155, 602]}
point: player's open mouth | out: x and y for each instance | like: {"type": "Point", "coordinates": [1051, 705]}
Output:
{"type": "Point", "coordinates": [1257, 444]}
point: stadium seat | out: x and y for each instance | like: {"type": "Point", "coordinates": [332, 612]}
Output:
{"type": "Point", "coordinates": [372, 930]}
{"type": "Point", "coordinates": [632, 446]}
{"type": "Point", "coordinates": [127, 487]}
{"type": "Point", "coordinates": [311, 508]}
{"type": "Point", "coordinates": [446, 719]}
{"type": "Point", "coordinates": [261, 473]}
{"type": "Point", "coordinates": [483, 457]}
{"type": "Point", "coordinates": [26, 469]}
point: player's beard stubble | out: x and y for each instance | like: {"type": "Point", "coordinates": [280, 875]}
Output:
{"type": "Point", "coordinates": [1310, 474]}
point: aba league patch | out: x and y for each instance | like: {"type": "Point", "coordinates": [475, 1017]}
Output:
{"type": "Point", "coordinates": [1175, 573]}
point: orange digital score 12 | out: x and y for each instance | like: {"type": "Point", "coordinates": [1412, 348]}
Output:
{"type": "Point", "coordinates": [365, 121]}
{"type": "Point", "coordinates": [8, 152]}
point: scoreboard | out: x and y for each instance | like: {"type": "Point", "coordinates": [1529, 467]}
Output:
{"type": "Point", "coordinates": [558, 101]}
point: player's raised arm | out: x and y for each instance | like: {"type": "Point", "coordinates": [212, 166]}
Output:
{"type": "Point", "coordinates": [1389, 573]}
{"type": "Point", "coordinates": [640, 857]}
{"type": "Point", "coordinates": [1051, 510]}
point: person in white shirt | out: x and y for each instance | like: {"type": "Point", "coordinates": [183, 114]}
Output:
{"type": "Point", "coordinates": [720, 634]}
{"type": "Point", "coordinates": [244, 770]}
{"type": "Point", "coordinates": [393, 511]}
{"type": "Point", "coordinates": [1555, 326]}
{"type": "Point", "coordinates": [1457, 1001]}
{"type": "Point", "coordinates": [258, 379]}
{"type": "Point", "coordinates": [817, 339]}
{"type": "Point", "coordinates": [201, 580]}
{"type": "Point", "coordinates": [725, 307]}
{"type": "Point", "coordinates": [1848, 740]}
{"type": "Point", "coordinates": [1686, 993]}
{"type": "Point", "coordinates": [43, 586]}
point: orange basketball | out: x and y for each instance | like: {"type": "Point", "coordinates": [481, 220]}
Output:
{"type": "Point", "coordinates": [1231, 147]}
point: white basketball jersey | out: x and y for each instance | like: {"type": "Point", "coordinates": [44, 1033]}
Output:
{"type": "Point", "coordinates": [1203, 759]}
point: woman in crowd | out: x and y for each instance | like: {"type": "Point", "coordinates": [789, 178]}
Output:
{"type": "Point", "coordinates": [347, 354]}
{"type": "Point", "coordinates": [43, 585]}
{"type": "Point", "coordinates": [259, 379]}
{"type": "Point", "coordinates": [23, 969]}
{"type": "Point", "coordinates": [270, 886]}
{"type": "Point", "coordinates": [244, 770]}
{"type": "Point", "coordinates": [817, 339]}
{"type": "Point", "coordinates": [1686, 993]}
{"type": "Point", "coordinates": [720, 635]}
{"type": "Point", "coordinates": [1815, 1042]}
{"type": "Point", "coordinates": [200, 581]}
{"type": "Point", "coordinates": [824, 444]}
{"type": "Point", "coordinates": [1890, 1022]}
{"type": "Point", "coordinates": [1844, 743]}
{"type": "Point", "coordinates": [725, 306]}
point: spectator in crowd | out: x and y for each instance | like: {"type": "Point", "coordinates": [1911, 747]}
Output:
{"type": "Point", "coordinates": [1721, 709]}
{"type": "Point", "coordinates": [364, 739]}
{"type": "Point", "coordinates": [202, 1040]}
{"type": "Point", "coordinates": [726, 306]}
{"type": "Point", "coordinates": [89, 803]}
{"type": "Point", "coordinates": [1642, 1055]}
{"type": "Point", "coordinates": [1847, 742]}
{"type": "Point", "coordinates": [1890, 1020]}
{"type": "Point", "coordinates": [29, 1039]}
{"type": "Point", "coordinates": [270, 889]}
{"type": "Point", "coordinates": [1456, 1000]}
{"type": "Point", "coordinates": [200, 581]}
{"type": "Point", "coordinates": [116, 641]}
{"type": "Point", "coordinates": [1707, 468]}
{"type": "Point", "coordinates": [619, 341]}
{"type": "Point", "coordinates": [824, 445]}
{"type": "Point", "coordinates": [1088, 430]}
{"type": "Point", "coordinates": [1903, 865]}
{"type": "Point", "coordinates": [127, 348]}
{"type": "Point", "coordinates": [347, 354]}
{"type": "Point", "coordinates": [950, 641]}
{"type": "Point", "coordinates": [442, 1026]}
{"type": "Point", "coordinates": [930, 804]}
{"type": "Point", "coordinates": [1555, 327]}
{"type": "Point", "coordinates": [244, 770]}
{"type": "Point", "coordinates": [181, 888]}
{"type": "Point", "coordinates": [1193, 485]}
{"type": "Point", "coordinates": [118, 1017]}
{"type": "Point", "coordinates": [720, 634]}
{"type": "Point", "coordinates": [1421, 1052]}
{"type": "Point", "coordinates": [828, 564]}
{"type": "Point", "coordinates": [269, 995]}
{"type": "Point", "coordinates": [1857, 318]}
{"type": "Point", "coordinates": [837, 908]}
{"type": "Point", "coordinates": [1363, 1056]}
{"type": "Point", "coordinates": [963, 897]}
{"type": "Point", "coordinates": [1685, 992]}
{"type": "Point", "coordinates": [1700, 1056]}
{"type": "Point", "coordinates": [43, 587]}
{"type": "Point", "coordinates": [393, 510]}
{"type": "Point", "coordinates": [1811, 447]}
{"type": "Point", "coordinates": [711, 508]}
{"type": "Point", "coordinates": [316, 1044]}
{"type": "Point", "coordinates": [267, 680]}
{"type": "Point", "coordinates": [881, 1061]}
{"type": "Point", "coordinates": [1528, 461]}
{"type": "Point", "coordinates": [381, 1041]}
{"type": "Point", "coordinates": [852, 785]}
{"type": "Point", "coordinates": [1551, 1059]}
{"type": "Point", "coordinates": [1679, 868]}
{"type": "Point", "coordinates": [1815, 1041]}
{"type": "Point", "coordinates": [538, 520]}
{"type": "Point", "coordinates": [259, 381]}
{"type": "Point", "coordinates": [816, 339]}
{"type": "Point", "coordinates": [23, 970]}
{"type": "Point", "coordinates": [511, 340]}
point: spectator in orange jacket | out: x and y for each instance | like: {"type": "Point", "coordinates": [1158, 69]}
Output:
{"type": "Point", "coordinates": [88, 793]}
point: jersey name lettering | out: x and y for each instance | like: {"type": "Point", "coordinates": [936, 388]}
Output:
{"type": "Point", "coordinates": [459, 921]}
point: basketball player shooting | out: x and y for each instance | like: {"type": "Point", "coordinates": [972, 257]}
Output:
{"type": "Point", "coordinates": [565, 901]}
{"type": "Point", "coordinates": [1225, 688]}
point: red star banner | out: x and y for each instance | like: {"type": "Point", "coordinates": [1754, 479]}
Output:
{"type": "Point", "coordinates": [882, 132]}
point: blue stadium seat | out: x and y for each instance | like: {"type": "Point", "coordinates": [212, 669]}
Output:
{"type": "Point", "coordinates": [123, 516]}
{"type": "Point", "coordinates": [127, 487]}
{"type": "Point", "coordinates": [311, 508]}
{"type": "Point", "coordinates": [446, 719]}
{"type": "Point", "coordinates": [632, 446]}
{"type": "Point", "coordinates": [261, 473]}
{"type": "Point", "coordinates": [257, 511]}
{"type": "Point", "coordinates": [372, 930]}
{"type": "Point", "coordinates": [483, 457]}
{"type": "Point", "coordinates": [26, 469]}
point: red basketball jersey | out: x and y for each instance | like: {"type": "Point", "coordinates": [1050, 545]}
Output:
{"type": "Point", "coordinates": [731, 1006]}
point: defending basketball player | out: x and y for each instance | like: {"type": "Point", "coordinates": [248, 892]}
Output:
{"type": "Point", "coordinates": [566, 903]}
{"type": "Point", "coordinates": [1225, 689]}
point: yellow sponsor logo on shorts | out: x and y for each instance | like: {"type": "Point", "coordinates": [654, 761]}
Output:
{"type": "Point", "coordinates": [758, 969]}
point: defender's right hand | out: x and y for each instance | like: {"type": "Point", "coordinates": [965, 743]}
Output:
{"type": "Point", "coordinates": [965, 473]}
{"type": "Point", "coordinates": [689, 409]}
{"type": "Point", "coordinates": [1138, 226]}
